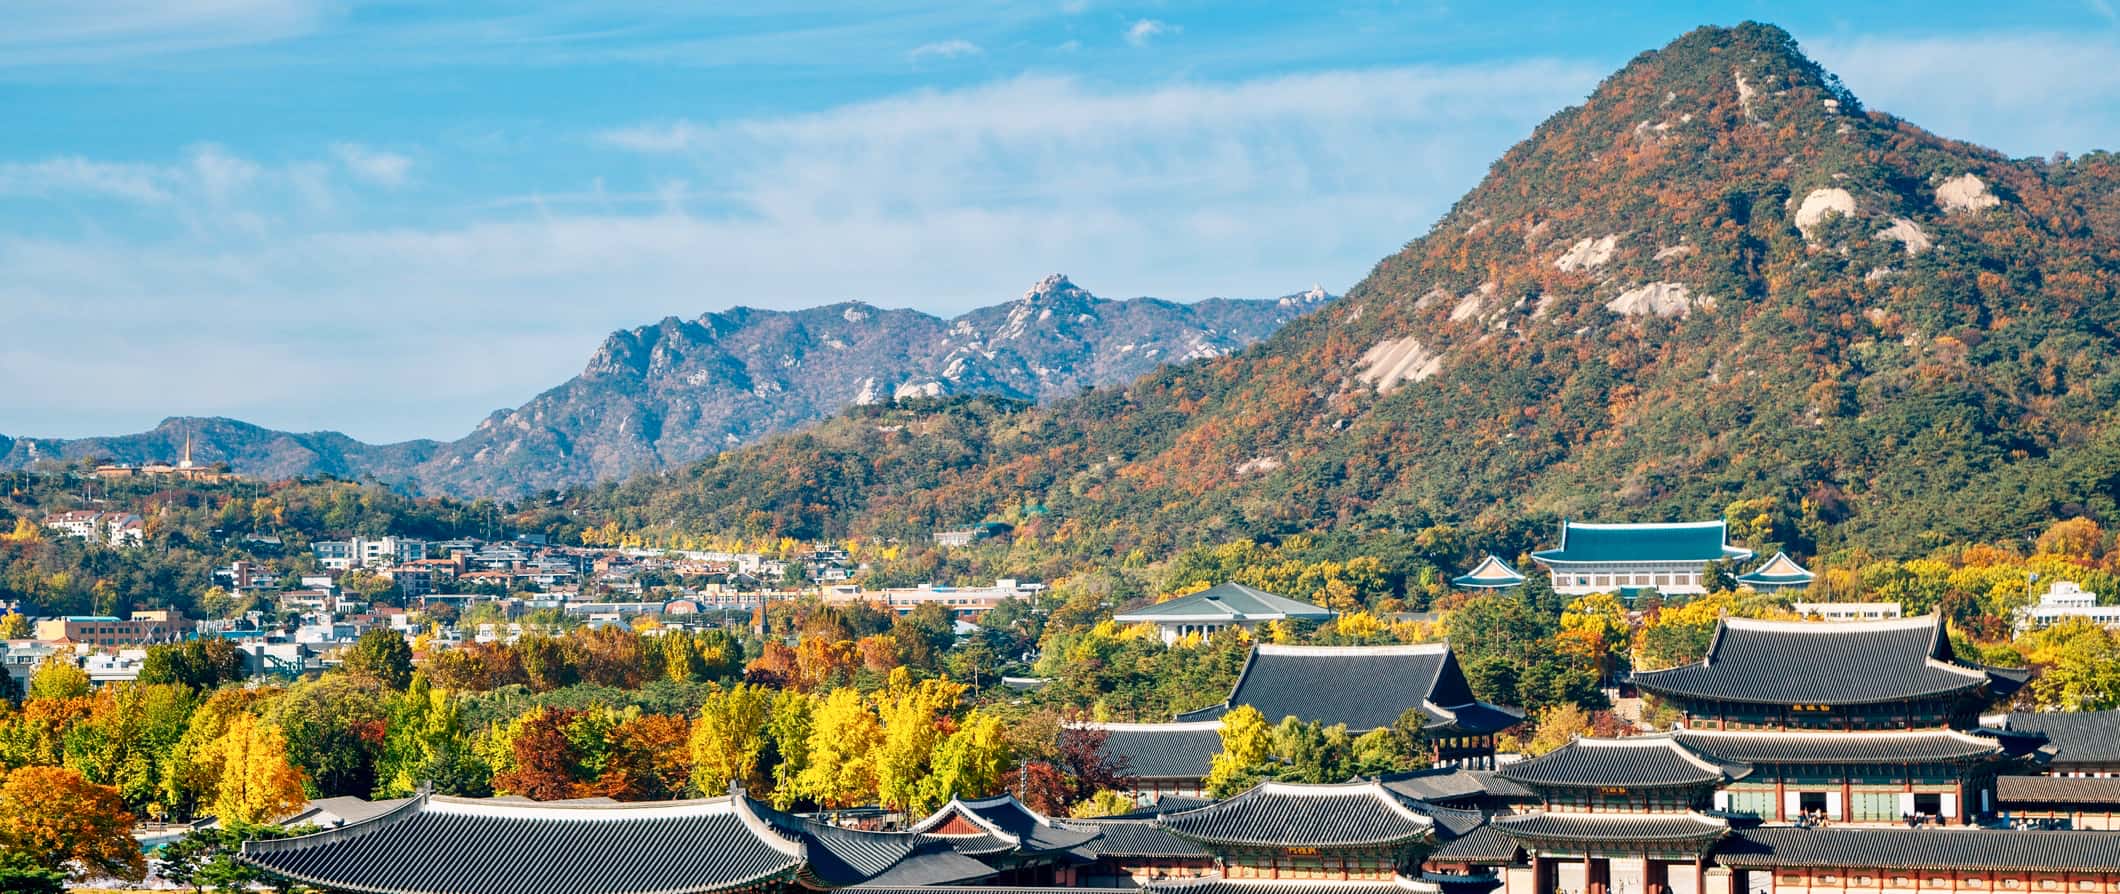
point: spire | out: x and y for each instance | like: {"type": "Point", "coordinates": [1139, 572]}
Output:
{"type": "Point", "coordinates": [185, 463]}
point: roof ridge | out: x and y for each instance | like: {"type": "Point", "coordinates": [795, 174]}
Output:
{"type": "Point", "coordinates": [1392, 649]}
{"type": "Point", "coordinates": [494, 807]}
{"type": "Point", "coordinates": [1171, 726]}
{"type": "Point", "coordinates": [1608, 526]}
{"type": "Point", "coordinates": [1874, 624]}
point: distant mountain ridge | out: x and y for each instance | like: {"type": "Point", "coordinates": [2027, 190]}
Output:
{"type": "Point", "coordinates": [1719, 287]}
{"type": "Point", "coordinates": [679, 390]}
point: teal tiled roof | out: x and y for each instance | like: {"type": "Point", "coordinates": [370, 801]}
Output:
{"type": "Point", "coordinates": [1657, 542]}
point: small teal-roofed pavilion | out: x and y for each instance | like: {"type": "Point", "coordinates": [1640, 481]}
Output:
{"type": "Point", "coordinates": [1219, 608]}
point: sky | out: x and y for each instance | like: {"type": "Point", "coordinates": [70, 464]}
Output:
{"type": "Point", "coordinates": [391, 218]}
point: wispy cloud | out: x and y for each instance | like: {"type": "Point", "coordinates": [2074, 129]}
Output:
{"type": "Point", "coordinates": [76, 176]}
{"type": "Point", "coordinates": [1144, 30]}
{"type": "Point", "coordinates": [2024, 93]}
{"type": "Point", "coordinates": [373, 165]}
{"type": "Point", "coordinates": [945, 49]}
{"type": "Point", "coordinates": [48, 32]}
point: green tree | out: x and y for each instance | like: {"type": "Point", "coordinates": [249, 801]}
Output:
{"type": "Point", "coordinates": [790, 728]}
{"type": "Point", "coordinates": [58, 677]}
{"type": "Point", "coordinates": [427, 742]}
{"type": "Point", "coordinates": [382, 655]}
{"type": "Point", "coordinates": [971, 763]}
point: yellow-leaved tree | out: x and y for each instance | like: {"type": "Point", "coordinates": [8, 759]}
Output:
{"type": "Point", "coordinates": [258, 784]}
{"type": "Point", "coordinates": [844, 736]}
{"type": "Point", "coordinates": [913, 715]}
{"type": "Point", "coordinates": [1246, 743]}
{"type": "Point", "coordinates": [729, 738]}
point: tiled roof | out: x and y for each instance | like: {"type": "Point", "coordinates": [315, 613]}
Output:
{"type": "Point", "coordinates": [1700, 542]}
{"type": "Point", "coordinates": [1638, 762]}
{"type": "Point", "coordinates": [835, 857]}
{"type": "Point", "coordinates": [2086, 737]}
{"type": "Point", "coordinates": [1207, 885]}
{"type": "Point", "coordinates": [1498, 787]}
{"type": "Point", "coordinates": [1889, 746]}
{"type": "Point", "coordinates": [1135, 838]}
{"type": "Point", "coordinates": [1805, 662]}
{"type": "Point", "coordinates": [433, 844]}
{"type": "Point", "coordinates": [1545, 826]}
{"type": "Point", "coordinates": [1438, 784]}
{"type": "Point", "coordinates": [1961, 848]}
{"type": "Point", "coordinates": [2057, 790]}
{"type": "Point", "coordinates": [1483, 845]}
{"type": "Point", "coordinates": [1163, 750]}
{"type": "Point", "coordinates": [1490, 574]}
{"type": "Point", "coordinates": [1291, 815]}
{"type": "Point", "coordinates": [1778, 571]}
{"type": "Point", "coordinates": [1008, 822]}
{"type": "Point", "coordinates": [1226, 602]}
{"type": "Point", "coordinates": [1364, 687]}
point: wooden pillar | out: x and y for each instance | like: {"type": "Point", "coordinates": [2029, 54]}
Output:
{"type": "Point", "coordinates": [1597, 875]}
{"type": "Point", "coordinates": [1847, 798]}
{"type": "Point", "coordinates": [1780, 802]}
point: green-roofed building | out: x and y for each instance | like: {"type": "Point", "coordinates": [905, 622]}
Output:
{"type": "Point", "coordinates": [1220, 608]}
{"type": "Point", "coordinates": [1778, 573]}
{"type": "Point", "coordinates": [1490, 574]}
{"type": "Point", "coordinates": [1667, 557]}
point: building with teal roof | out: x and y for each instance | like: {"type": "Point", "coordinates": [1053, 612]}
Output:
{"type": "Point", "coordinates": [1490, 574]}
{"type": "Point", "coordinates": [1778, 573]}
{"type": "Point", "coordinates": [1667, 557]}
{"type": "Point", "coordinates": [1220, 608]}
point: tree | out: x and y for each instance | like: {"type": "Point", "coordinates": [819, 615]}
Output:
{"type": "Point", "coordinates": [790, 728]}
{"type": "Point", "coordinates": [1246, 744]}
{"type": "Point", "coordinates": [15, 625]}
{"type": "Point", "coordinates": [426, 742]}
{"type": "Point", "coordinates": [544, 762]}
{"type": "Point", "coordinates": [1103, 803]}
{"type": "Point", "coordinates": [646, 759]}
{"type": "Point", "coordinates": [199, 664]}
{"type": "Point", "coordinates": [1595, 632]}
{"type": "Point", "coordinates": [842, 751]}
{"type": "Point", "coordinates": [56, 818]}
{"type": "Point", "coordinates": [22, 874]}
{"type": "Point", "coordinates": [58, 677]}
{"type": "Point", "coordinates": [1555, 726]}
{"type": "Point", "coordinates": [1716, 577]}
{"type": "Point", "coordinates": [257, 783]}
{"type": "Point", "coordinates": [335, 728]}
{"type": "Point", "coordinates": [382, 655]}
{"type": "Point", "coordinates": [914, 718]}
{"type": "Point", "coordinates": [2078, 664]}
{"type": "Point", "coordinates": [729, 738]}
{"type": "Point", "coordinates": [971, 763]}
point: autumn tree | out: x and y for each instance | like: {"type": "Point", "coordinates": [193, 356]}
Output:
{"type": "Point", "coordinates": [730, 738]}
{"type": "Point", "coordinates": [59, 820]}
{"type": "Point", "coordinates": [427, 741]}
{"type": "Point", "coordinates": [58, 677]}
{"type": "Point", "coordinates": [790, 727]}
{"type": "Point", "coordinates": [1555, 726]}
{"type": "Point", "coordinates": [972, 763]}
{"type": "Point", "coordinates": [257, 783]}
{"type": "Point", "coordinates": [1246, 744]}
{"type": "Point", "coordinates": [844, 737]}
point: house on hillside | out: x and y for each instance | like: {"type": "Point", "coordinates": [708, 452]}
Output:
{"type": "Point", "coordinates": [1667, 557]}
{"type": "Point", "coordinates": [1219, 608]}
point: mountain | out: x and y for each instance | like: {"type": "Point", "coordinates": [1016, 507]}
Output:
{"type": "Point", "coordinates": [680, 390]}
{"type": "Point", "coordinates": [1719, 279]}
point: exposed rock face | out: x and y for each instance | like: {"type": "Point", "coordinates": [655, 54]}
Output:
{"type": "Point", "coordinates": [1397, 360]}
{"type": "Point", "coordinates": [681, 390]}
{"type": "Point", "coordinates": [1587, 254]}
{"type": "Point", "coordinates": [1819, 205]}
{"type": "Point", "coordinates": [1657, 299]}
{"type": "Point", "coordinates": [1907, 233]}
{"type": "Point", "coordinates": [1965, 192]}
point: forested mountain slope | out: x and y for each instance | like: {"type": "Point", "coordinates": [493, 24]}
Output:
{"type": "Point", "coordinates": [1718, 279]}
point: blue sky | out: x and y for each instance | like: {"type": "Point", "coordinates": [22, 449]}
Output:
{"type": "Point", "coordinates": [391, 218]}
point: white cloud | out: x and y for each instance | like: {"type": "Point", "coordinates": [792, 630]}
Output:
{"type": "Point", "coordinates": [2022, 93]}
{"type": "Point", "coordinates": [73, 175]}
{"type": "Point", "coordinates": [945, 49]}
{"type": "Point", "coordinates": [373, 165]}
{"type": "Point", "coordinates": [1145, 30]}
{"type": "Point", "coordinates": [939, 199]}
{"type": "Point", "coordinates": [64, 32]}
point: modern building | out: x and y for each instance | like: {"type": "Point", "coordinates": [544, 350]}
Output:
{"type": "Point", "coordinates": [1222, 607]}
{"type": "Point", "coordinates": [1490, 574]}
{"type": "Point", "coordinates": [2064, 600]}
{"type": "Point", "coordinates": [1776, 574]}
{"type": "Point", "coordinates": [1368, 688]}
{"type": "Point", "coordinates": [144, 627]}
{"type": "Point", "coordinates": [1848, 611]}
{"type": "Point", "coordinates": [1633, 558]}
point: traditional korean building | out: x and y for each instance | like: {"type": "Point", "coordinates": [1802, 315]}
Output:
{"type": "Point", "coordinates": [1777, 573]}
{"type": "Point", "coordinates": [1368, 688]}
{"type": "Point", "coordinates": [1631, 558]}
{"type": "Point", "coordinates": [1359, 831]}
{"type": "Point", "coordinates": [1023, 846]}
{"type": "Point", "coordinates": [1490, 574]}
{"type": "Point", "coordinates": [1617, 815]}
{"type": "Point", "coordinates": [1230, 606]}
{"type": "Point", "coordinates": [2080, 743]}
{"type": "Point", "coordinates": [1849, 722]}
{"type": "Point", "coordinates": [1164, 758]}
